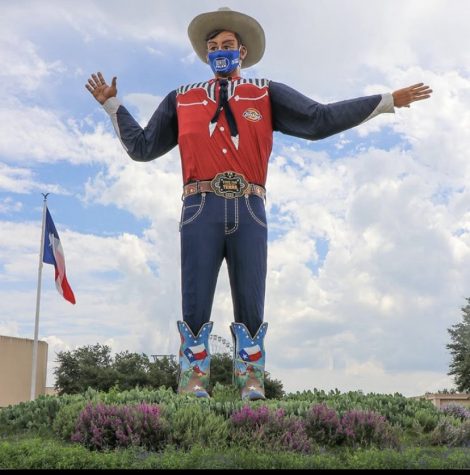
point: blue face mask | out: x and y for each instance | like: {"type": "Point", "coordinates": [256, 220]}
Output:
{"type": "Point", "coordinates": [224, 61]}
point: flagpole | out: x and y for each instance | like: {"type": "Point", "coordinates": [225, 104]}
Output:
{"type": "Point", "coordinates": [38, 302]}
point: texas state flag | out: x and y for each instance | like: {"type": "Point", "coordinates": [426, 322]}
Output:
{"type": "Point", "coordinates": [251, 353]}
{"type": "Point", "coordinates": [54, 254]}
{"type": "Point", "coordinates": [195, 353]}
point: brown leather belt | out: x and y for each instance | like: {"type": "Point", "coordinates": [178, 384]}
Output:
{"type": "Point", "coordinates": [227, 185]}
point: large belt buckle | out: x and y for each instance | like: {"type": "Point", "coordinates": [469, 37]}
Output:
{"type": "Point", "coordinates": [229, 185]}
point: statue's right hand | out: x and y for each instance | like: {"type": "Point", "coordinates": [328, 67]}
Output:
{"type": "Point", "coordinates": [100, 90]}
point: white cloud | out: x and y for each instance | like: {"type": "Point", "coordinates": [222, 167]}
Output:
{"type": "Point", "coordinates": [348, 44]}
{"type": "Point", "coordinates": [438, 128]}
{"type": "Point", "coordinates": [8, 205]}
{"type": "Point", "coordinates": [9, 328]}
{"type": "Point", "coordinates": [191, 58]}
{"type": "Point", "coordinates": [34, 134]}
{"type": "Point", "coordinates": [22, 180]}
{"type": "Point", "coordinates": [147, 190]}
{"type": "Point", "coordinates": [154, 51]}
{"type": "Point", "coordinates": [144, 21]}
{"type": "Point", "coordinates": [23, 70]}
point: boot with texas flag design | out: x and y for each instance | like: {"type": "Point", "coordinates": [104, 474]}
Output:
{"type": "Point", "coordinates": [249, 361]}
{"type": "Point", "coordinates": [194, 360]}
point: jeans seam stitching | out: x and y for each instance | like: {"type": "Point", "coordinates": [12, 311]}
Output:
{"type": "Point", "coordinates": [253, 214]}
{"type": "Point", "coordinates": [235, 227]}
{"type": "Point", "coordinates": [197, 213]}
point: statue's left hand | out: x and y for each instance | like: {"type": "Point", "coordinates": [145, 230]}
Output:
{"type": "Point", "coordinates": [404, 97]}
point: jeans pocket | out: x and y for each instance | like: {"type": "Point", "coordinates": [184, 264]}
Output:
{"type": "Point", "coordinates": [192, 208]}
{"type": "Point", "coordinates": [255, 206]}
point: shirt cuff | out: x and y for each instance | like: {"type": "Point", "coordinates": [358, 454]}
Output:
{"type": "Point", "coordinates": [111, 105]}
{"type": "Point", "coordinates": [386, 104]}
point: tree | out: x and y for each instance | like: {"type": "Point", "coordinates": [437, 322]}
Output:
{"type": "Point", "coordinates": [87, 366]}
{"type": "Point", "coordinates": [93, 366]}
{"type": "Point", "coordinates": [164, 372]}
{"type": "Point", "coordinates": [273, 388]}
{"type": "Point", "coordinates": [131, 370]}
{"type": "Point", "coordinates": [67, 373]}
{"type": "Point", "coordinates": [221, 369]}
{"type": "Point", "coordinates": [460, 350]}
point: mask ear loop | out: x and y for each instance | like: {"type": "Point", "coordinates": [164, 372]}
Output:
{"type": "Point", "coordinates": [240, 60]}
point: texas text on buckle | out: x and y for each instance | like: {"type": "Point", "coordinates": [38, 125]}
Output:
{"type": "Point", "coordinates": [229, 185]}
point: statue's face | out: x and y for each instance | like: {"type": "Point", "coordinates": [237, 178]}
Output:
{"type": "Point", "coordinates": [226, 40]}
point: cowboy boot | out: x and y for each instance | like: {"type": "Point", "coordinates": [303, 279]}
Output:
{"type": "Point", "coordinates": [194, 360]}
{"type": "Point", "coordinates": [248, 361]}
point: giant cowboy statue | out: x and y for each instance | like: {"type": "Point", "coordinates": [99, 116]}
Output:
{"type": "Point", "coordinates": [224, 130]}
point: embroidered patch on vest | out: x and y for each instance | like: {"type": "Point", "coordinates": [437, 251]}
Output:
{"type": "Point", "coordinates": [252, 114]}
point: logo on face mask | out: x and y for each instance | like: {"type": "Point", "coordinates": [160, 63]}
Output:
{"type": "Point", "coordinates": [224, 61]}
{"type": "Point", "coordinates": [221, 64]}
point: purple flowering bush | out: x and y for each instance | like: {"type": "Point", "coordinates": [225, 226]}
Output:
{"type": "Point", "coordinates": [366, 428]}
{"type": "Point", "coordinates": [457, 411]}
{"type": "Point", "coordinates": [323, 425]}
{"type": "Point", "coordinates": [268, 428]}
{"type": "Point", "coordinates": [451, 432]}
{"type": "Point", "coordinates": [446, 432]}
{"type": "Point", "coordinates": [355, 428]}
{"type": "Point", "coordinates": [103, 426]}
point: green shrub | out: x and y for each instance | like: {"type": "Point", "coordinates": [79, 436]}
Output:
{"type": "Point", "coordinates": [421, 424]}
{"type": "Point", "coordinates": [427, 419]}
{"type": "Point", "coordinates": [446, 432]}
{"type": "Point", "coordinates": [136, 395]}
{"type": "Point", "coordinates": [410, 458]}
{"type": "Point", "coordinates": [195, 424]}
{"type": "Point", "coordinates": [43, 453]}
{"type": "Point", "coordinates": [463, 436]}
{"type": "Point", "coordinates": [66, 419]}
{"type": "Point", "coordinates": [398, 409]}
{"type": "Point", "coordinates": [225, 393]}
{"type": "Point", "coordinates": [30, 415]}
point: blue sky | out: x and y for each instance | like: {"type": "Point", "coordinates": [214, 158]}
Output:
{"type": "Point", "coordinates": [369, 239]}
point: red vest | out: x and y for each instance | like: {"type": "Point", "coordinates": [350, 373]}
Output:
{"type": "Point", "coordinates": [204, 155]}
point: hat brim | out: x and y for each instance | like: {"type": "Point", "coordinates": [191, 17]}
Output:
{"type": "Point", "coordinates": [250, 31]}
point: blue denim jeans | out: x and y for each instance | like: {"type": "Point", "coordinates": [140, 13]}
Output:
{"type": "Point", "coordinates": [212, 229]}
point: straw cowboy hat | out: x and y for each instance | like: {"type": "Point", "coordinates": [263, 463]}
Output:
{"type": "Point", "coordinates": [224, 18]}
